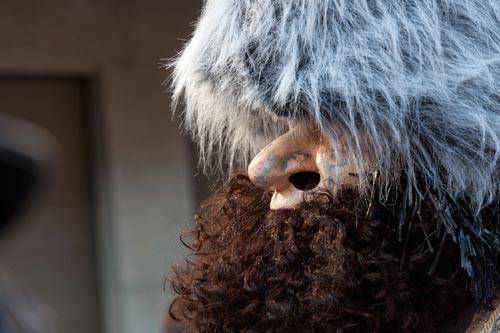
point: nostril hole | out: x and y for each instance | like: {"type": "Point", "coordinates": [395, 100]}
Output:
{"type": "Point", "coordinates": [305, 181]}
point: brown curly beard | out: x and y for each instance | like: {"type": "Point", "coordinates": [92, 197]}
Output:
{"type": "Point", "coordinates": [323, 267]}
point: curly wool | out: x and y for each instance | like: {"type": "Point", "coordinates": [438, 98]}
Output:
{"type": "Point", "coordinates": [322, 268]}
{"type": "Point", "coordinates": [418, 78]}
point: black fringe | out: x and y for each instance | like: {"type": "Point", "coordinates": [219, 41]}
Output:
{"type": "Point", "coordinates": [477, 235]}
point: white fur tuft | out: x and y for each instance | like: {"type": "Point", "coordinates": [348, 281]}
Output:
{"type": "Point", "coordinates": [419, 78]}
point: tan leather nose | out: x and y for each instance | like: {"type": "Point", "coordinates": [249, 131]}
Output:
{"type": "Point", "coordinates": [290, 155]}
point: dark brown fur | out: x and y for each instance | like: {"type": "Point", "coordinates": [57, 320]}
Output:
{"type": "Point", "coordinates": [324, 267]}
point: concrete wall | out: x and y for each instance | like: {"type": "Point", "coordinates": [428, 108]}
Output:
{"type": "Point", "coordinates": [150, 180]}
{"type": "Point", "coordinates": [143, 166]}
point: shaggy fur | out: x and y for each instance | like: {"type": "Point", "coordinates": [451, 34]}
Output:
{"type": "Point", "coordinates": [325, 267]}
{"type": "Point", "coordinates": [419, 78]}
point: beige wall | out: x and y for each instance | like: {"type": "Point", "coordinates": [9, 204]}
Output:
{"type": "Point", "coordinates": [144, 168]}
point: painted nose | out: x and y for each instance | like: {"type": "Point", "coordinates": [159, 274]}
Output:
{"type": "Point", "coordinates": [287, 166]}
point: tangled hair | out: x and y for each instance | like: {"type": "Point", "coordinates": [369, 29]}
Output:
{"type": "Point", "coordinates": [332, 265]}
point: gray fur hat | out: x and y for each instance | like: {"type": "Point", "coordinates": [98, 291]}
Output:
{"type": "Point", "coordinates": [418, 79]}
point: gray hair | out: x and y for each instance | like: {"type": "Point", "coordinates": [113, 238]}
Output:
{"type": "Point", "coordinates": [418, 78]}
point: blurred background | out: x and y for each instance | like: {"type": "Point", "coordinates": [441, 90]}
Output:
{"type": "Point", "coordinates": [96, 241]}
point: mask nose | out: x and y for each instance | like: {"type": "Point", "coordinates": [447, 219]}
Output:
{"type": "Point", "coordinates": [287, 166]}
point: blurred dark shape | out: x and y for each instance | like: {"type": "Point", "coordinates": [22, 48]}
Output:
{"type": "Point", "coordinates": [18, 175]}
{"type": "Point", "coordinates": [25, 155]}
